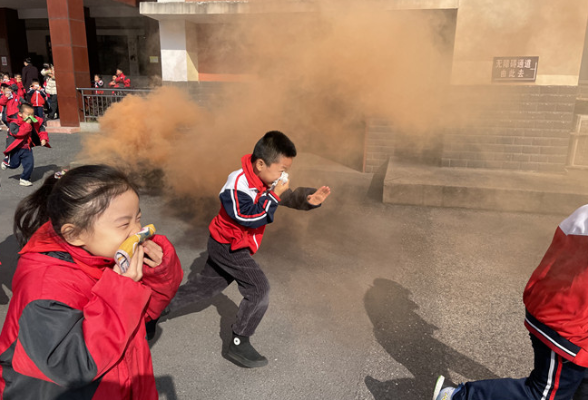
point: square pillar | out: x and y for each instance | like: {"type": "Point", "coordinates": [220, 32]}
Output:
{"type": "Point", "coordinates": [179, 51]}
{"type": "Point", "coordinates": [70, 56]}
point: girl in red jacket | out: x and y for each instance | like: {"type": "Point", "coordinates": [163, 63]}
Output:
{"type": "Point", "coordinates": [75, 326]}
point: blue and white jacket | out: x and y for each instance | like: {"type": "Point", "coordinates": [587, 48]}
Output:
{"type": "Point", "coordinates": [248, 205]}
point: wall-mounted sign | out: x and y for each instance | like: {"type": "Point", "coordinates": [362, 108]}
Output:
{"type": "Point", "coordinates": [514, 69]}
{"type": "Point", "coordinates": [153, 59]}
{"type": "Point", "coordinates": [4, 61]}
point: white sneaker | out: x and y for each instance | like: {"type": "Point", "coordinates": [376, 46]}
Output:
{"type": "Point", "coordinates": [3, 166]}
{"type": "Point", "coordinates": [24, 182]}
{"type": "Point", "coordinates": [445, 394]}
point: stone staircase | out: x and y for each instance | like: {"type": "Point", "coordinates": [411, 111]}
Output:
{"type": "Point", "coordinates": [54, 126]}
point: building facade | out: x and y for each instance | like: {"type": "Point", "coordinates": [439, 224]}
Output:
{"type": "Point", "coordinates": [519, 74]}
{"type": "Point", "coordinates": [81, 39]}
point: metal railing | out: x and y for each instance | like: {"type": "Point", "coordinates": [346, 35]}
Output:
{"type": "Point", "coordinates": [95, 101]}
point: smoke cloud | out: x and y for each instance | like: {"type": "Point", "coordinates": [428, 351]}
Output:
{"type": "Point", "coordinates": [317, 77]}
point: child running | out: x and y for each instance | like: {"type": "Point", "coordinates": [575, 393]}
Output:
{"type": "Point", "coordinates": [75, 328]}
{"type": "Point", "coordinates": [556, 302]}
{"type": "Point", "coordinates": [249, 200]}
{"type": "Point", "coordinates": [25, 132]}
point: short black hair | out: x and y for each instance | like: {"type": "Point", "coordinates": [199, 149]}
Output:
{"type": "Point", "coordinates": [24, 105]}
{"type": "Point", "coordinates": [35, 80]}
{"type": "Point", "coordinates": [27, 60]}
{"type": "Point", "coordinates": [271, 146]}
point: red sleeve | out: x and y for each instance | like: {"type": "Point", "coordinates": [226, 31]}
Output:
{"type": "Point", "coordinates": [43, 135]}
{"type": "Point", "coordinates": [92, 346]}
{"type": "Point", "coordinates": [163, 280]}
{"type": "Point", "coordinates": [38, 124]}
{"type": "Point", "coordinates": [3, 100]}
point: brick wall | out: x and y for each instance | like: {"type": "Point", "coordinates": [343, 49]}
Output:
{"type": "Point", "coordinates": [512, 127]}
{"type": "Point", "coordinates": [380, 143]}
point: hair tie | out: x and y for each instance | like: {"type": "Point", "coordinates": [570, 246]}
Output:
{"type": "Point", "coordinates": [59, 174]}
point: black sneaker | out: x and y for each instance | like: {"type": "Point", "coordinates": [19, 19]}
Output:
{"type": "Point", "coordinates": [243, 353]}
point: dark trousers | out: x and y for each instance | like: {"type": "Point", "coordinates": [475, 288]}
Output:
{"type": "Point", "coordinates": [24, 157]}
{"type": "Point", "coordinates": [222, 268]}
{"type": "Point", "coordinates": [52, 106]}
{"type": "Point", "coordinates": [553, 378]}
{"type": "Point", "coordinates": [39, 112]}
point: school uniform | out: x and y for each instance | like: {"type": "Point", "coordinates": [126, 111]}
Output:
{"type": "Point", "coordinates": [75, 329]}
{"type": "Point", "coordinates": [247, 206]}
{"type": "Point", "coordinates": [20, 140]}
{"type": "Point", "coordinates": [556, 301]}
{"type": "Point", "coordinates": [38, 99]}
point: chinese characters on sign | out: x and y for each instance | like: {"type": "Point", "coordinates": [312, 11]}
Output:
{"type": "Point", "coordinates": [514, 69]}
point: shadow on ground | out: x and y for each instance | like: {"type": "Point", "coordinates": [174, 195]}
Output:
{"type": "Point", "coordinates": [38, 172]}
{"type": "Point", "coordinates": [409, 340]}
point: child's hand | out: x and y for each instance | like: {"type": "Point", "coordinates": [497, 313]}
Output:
{"type": "Point", "coordinates": [135, 271]}
{"type": "Point", "coordinates": [154, 253]}
{"type": "Point", "coordinates": [43, 142]}
{"type": "Point", "coordinates": [281, 187]}
{"type": "Point", "coordinates": [319, 196]}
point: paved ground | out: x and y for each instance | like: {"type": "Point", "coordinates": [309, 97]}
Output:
{"type": "Point", "coordinates": [369, 301]}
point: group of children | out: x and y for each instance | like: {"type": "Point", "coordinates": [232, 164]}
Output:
{"type": "Point", "coordinates": [120, 80]}
{"type": "Point", "coordinates": [25, 123]}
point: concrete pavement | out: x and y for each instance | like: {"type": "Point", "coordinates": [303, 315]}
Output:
{"type": "Point", "coordinates": [369, 300]}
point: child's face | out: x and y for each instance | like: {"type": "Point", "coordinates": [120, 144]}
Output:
{"type": "Point", "coordinates": [120, 220]}
{"type": "Point", "coordinates": [26, 112]}
{"type": "Point", "coordinates": [113, 77]}
{"type": "Point", "coordinates": [7, 92]}
{"type": "Point", "coordinates": [6, 78]}
{"type": "Point", "coordinates": [18, 78]}
{"type": "Point", "coordinates": [96, 78]}
{"type": "Point", "coordinates": [269, 173]}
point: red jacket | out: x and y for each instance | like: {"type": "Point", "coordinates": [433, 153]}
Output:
{"type": "Point", "coordinates": [25, 135]}
{"type": "Point", "coordinates": [556, 296]}
{"type": "Point", "coordinates": [76, 329]}
{"type": "Point", "coordinates": [38, 97]}
{"type": "Point", "coordinates": [12, 104]}
{"type": "Point", "coordinates": [123, 80]}
{"type": "Point", "coordinates": [247, 205]}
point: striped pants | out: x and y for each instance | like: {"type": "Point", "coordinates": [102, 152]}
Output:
{"type": "Point", "coordinates": [222, 268]}
{"type": "Point", "coordinates": [553, 378]}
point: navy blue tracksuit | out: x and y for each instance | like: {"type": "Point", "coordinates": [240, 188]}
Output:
{"type": "Point", "coordinates": [553, 378]}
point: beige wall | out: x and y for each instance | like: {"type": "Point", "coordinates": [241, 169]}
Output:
{"type": "Point", "coordinates": [553, 30]}
{"type": "Point", "coordinates": [192, 51]}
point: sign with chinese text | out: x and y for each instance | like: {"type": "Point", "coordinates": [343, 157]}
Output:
{"type": "Point", "coordinates": [4, 61]}
{"type": "Point", "coordinates": [514, 69]}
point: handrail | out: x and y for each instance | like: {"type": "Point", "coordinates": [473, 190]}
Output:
{"type": "Point", "coordinates": [95, 101]}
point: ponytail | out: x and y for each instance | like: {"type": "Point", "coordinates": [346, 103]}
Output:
{"type": "Point", "coordinates": [31, 212]}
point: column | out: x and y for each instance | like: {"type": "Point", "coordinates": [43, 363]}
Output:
{"type": "Point", "coordinates": [179, 56]}
{"type": "Point", "coordinates": [70, 56]}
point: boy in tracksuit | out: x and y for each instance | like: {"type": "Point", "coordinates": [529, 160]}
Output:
{"type": "Point", "coordinates": [24, 133]}
{"type": "Point", "coordinates": [38, 98]}
{"type": "Point", "coordinates": [556, 302]}
{"type": "Point", "coordinates": [249, 200]}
